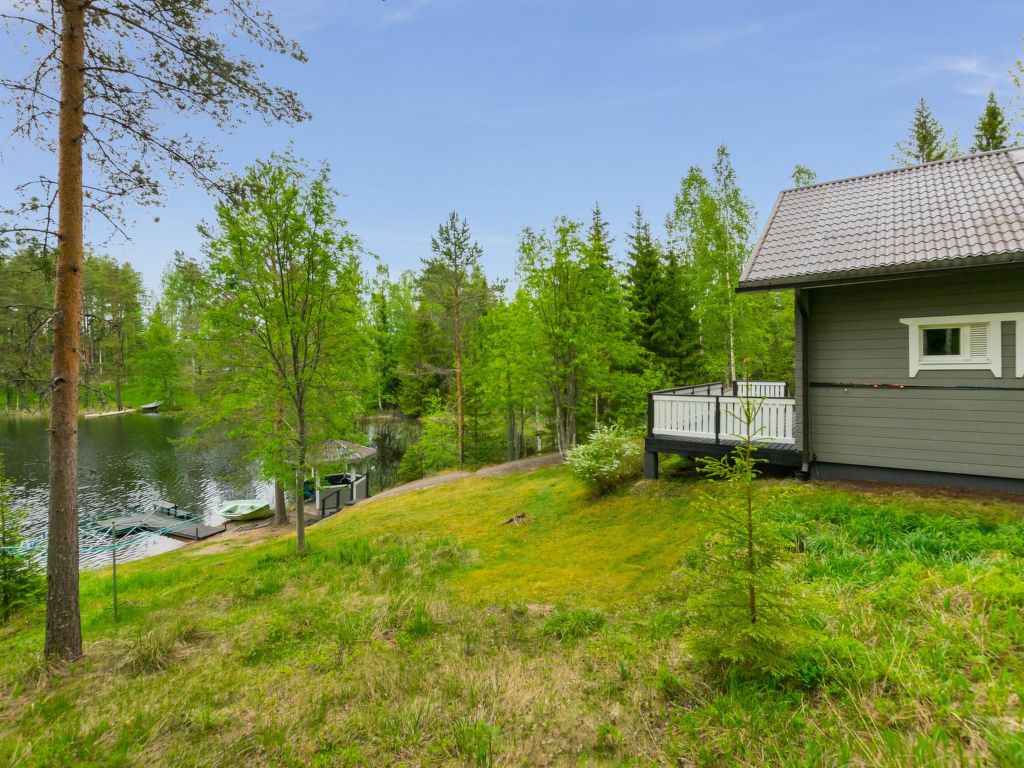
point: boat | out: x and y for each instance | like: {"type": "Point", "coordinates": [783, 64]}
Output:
{"type": "Point", "coordinates": [245, 509]}
{"type": "Point", "coordinates": [151, 407]}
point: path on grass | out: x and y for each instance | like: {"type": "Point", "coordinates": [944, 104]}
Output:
{"type": "Point", "coordinates": [496, 470]}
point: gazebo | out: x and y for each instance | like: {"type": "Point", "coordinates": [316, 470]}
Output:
{"type": "Point", "coordinates": [340, 488]}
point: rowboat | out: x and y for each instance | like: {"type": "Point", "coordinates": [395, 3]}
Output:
{"type": "Point", "coordinates": [245, 509]}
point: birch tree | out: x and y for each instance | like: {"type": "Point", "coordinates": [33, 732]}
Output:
{"type": "Point", "coordinates": [282, 317]}
{"type": "Point", "coordinates": [100, 78]}
{"type": "Point", "coordinates": [711, 226]}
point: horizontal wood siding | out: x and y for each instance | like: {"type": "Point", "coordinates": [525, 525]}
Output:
{"type": "Point", "coordinates": [856, 338]}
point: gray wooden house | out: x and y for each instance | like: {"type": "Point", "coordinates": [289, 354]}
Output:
{"type": "Point", "coordinates": [909, 290]}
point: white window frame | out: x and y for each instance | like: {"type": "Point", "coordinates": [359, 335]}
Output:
{"type": "Point", "coordinates": [992, 362]}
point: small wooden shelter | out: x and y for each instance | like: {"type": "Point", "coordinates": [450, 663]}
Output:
{"type": "Point", "coordinates": [340, 488]}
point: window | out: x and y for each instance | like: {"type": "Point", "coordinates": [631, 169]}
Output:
{"type": "Point", "coordinates": [960, 343]}
{"type": "Point", "coordinates": [940, 342]}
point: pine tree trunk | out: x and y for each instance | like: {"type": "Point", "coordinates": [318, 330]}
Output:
{"type": "Point", "coordinates": [63, 622]}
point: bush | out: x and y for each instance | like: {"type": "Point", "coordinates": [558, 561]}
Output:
{"type": "Point", "coordinates": [608, 460]}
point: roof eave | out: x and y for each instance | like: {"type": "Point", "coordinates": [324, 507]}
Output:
{"type": "Point", "coordinates": [876, 274]}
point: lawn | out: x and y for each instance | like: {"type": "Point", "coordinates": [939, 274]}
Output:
{"type": "Point", "coordinates": [418, 630]}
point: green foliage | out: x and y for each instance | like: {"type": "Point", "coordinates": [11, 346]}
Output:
{"type": "Point", "coordinates": [661, 307]}
{"type": "Point", "coordinates": [437, 448]}
{"type": "Point", "coordinates": [710, 230]}
{"type": "Point", "coordinates": [803, 176]}
{"type": "Point", "coordinates": [926, 140]}
{"type": "Point", "coordinates": [747, 611]}
{"type": "Point", "coordinates": [992, 131]}
{"type": "Point", "coordinates": [111, 328]}
{"type": "Point", "coordinates": [157, 367]}
{"type": "Point", "coordinates": [282, 315]}
{"type": "Point", "coordinates": [609, 459]}
{"type": "Point", "coordinates": [577, 323]}
{"type": "Point", "coordinates": [21, 582]}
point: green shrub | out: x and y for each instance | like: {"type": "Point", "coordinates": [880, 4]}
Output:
{"type": "Point", "coordinates": [608, 460]}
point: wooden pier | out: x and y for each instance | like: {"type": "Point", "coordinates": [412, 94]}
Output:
{"type": "Point", "coordinates": [166, 519]}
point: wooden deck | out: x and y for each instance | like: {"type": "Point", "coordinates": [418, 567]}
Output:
{"type": "Point", "coordinates": [704, 419]}
{"type": "Point", "coordinates": [777, 454]}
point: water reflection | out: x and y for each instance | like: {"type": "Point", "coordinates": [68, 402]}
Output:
{"type": "Point", "coordinates": [128, 463]}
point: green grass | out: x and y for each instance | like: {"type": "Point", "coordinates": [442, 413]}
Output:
{"type": "Point", "coordinates": [420, 631]}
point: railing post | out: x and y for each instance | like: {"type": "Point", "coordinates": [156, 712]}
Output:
{"type": "Point", "coordinates": [718, 419]}
{"type": "Point", "coordinates": [650, 413]}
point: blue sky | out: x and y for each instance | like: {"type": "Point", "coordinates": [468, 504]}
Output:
{"type": "Point", "coordinates": [515, 111]}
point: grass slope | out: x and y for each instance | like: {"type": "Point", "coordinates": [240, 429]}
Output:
{"type": "Point", "coordinates": [419, 631]}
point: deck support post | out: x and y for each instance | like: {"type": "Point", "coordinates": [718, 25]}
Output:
{"type": "Point", "coordinates": [650, 465]}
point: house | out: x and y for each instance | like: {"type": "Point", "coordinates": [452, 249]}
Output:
{"type": "Point", "coordinates": [909, 288]}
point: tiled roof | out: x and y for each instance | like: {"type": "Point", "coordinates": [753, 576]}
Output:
{"type": "Point", "coordinates": [960, 212]}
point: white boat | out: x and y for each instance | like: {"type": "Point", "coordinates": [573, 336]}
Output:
{"type": "Point", "coordinates": [245, 509]}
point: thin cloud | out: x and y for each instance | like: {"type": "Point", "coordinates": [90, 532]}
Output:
{"type": "Point", "coordinates": [405, 13]}
{"type": "Point", "coordinates": [972, 75]}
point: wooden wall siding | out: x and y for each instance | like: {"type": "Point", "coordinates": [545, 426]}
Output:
{"type": "Point", "coordinates": [798, 380]}
{"type": "Point", "coordinates": [856, 337]}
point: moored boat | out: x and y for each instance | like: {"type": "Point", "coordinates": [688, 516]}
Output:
{"type": "Point", "coordinates": [245, 509]}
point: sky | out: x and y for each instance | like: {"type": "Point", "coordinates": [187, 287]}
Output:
{"type": "Point", "coordinates": [513, 112]}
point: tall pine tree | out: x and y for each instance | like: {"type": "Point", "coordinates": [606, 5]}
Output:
{"type": "Point", "coordinates": [992, 131]}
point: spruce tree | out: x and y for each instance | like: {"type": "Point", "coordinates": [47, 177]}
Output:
{"type": "Point", "coordinates": [645, 283]}
{"type": "Point", "coordinates": [992, 131]}
{"type": "Point", "coordinates": [657, 295]}
{"type": "Point", "coordinates": [926, 140]}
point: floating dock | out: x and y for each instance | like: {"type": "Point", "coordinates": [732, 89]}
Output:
{"type": "Point", "coordinates": [166, 519]}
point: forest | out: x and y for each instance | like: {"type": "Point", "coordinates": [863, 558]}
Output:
{"type": "Point", "coordinates": [586, 327]}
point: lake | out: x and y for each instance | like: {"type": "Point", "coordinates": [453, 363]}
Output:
{"type": "Point", "coordinates": [129, 462]}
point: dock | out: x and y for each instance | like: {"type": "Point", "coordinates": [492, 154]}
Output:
{"type": "Point", "coordinates": [101, 414]}
{"type": "Point", "coordinates": [166, 519]}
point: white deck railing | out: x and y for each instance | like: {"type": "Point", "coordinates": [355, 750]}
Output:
{"type": "Point", "coordinates": [760, 388]}
{"type": "Point", "coordinates": [721, 417]}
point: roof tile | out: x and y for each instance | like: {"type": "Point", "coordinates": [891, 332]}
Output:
{"type": "Point", "coordinates": [904, 220]}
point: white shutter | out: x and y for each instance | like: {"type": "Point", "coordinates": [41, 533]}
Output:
{"type": "Point", "coordinates": [978, 341]}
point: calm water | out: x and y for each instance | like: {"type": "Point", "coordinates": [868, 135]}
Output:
{"type": "Point", "coordinates": [129, 462]}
